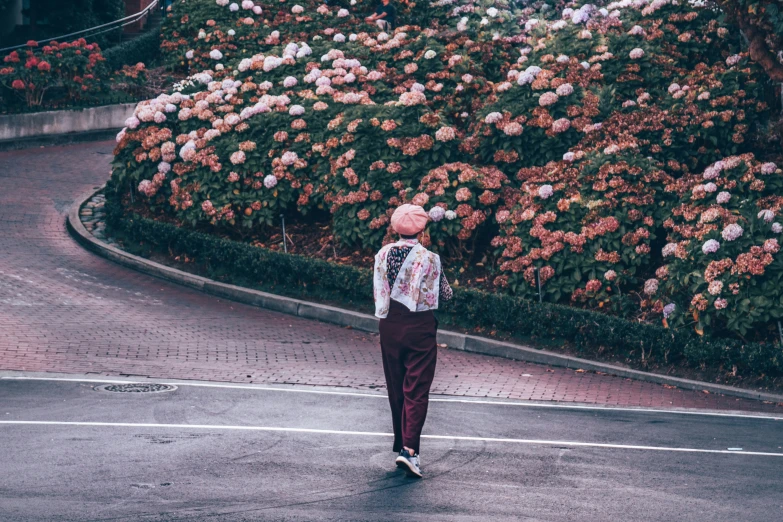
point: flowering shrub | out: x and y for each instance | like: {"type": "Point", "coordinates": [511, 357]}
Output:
{"type": "Point", "coordinates": [723, 267]}
{"type": "Point", "coordinates": [562, 134]}
{"type": "Point", "coordinates": [76, 66]}
{"type": "Point", "coordinates": [585, 225]}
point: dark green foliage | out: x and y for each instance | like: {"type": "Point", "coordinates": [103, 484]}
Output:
{"type": "Point", "coordinates": [588, 333]}
{"type": "Point", "coordinates": [144, 48]}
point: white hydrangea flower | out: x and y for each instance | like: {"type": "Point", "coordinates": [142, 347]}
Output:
{"type": "Point", "coordinates": [436, 214]}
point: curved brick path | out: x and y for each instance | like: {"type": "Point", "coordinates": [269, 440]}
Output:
{"type": "Point", "coordinates": [66, 310]}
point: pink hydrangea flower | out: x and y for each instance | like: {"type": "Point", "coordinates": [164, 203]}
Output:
{"type": "Point", "coordinates": [147, 188]}
{"type": "Point", "coordinates": [545, 191]}
{"type": "Point", "coordinates": [512, 129]}
{"type": "Point", "coordinates": [238, 157]}
{"type": "Point", "coordinates": [732, 232]}
{"type": "Point", "coordinates": [463, 194]}
{"type": "Point", "coordinates": [669, 249]}
{"type": "Point", "coordinates": [420, 199]}
{"type": "Point", "coordinates": [565, 90]}
{"type": "Point", "coordinates": [493, 117]}
{"type": "Point", "coordinates": [637, 53]}
{"type": "Point", "coordinates": [710, 246]}
{"type": "Point", "coordinates": [771, 246]}
{"type": "Point", "coordinates": [270, 181]}
{"type": "Point", "coordinates": [547, 99]}
{"type": "Point", "coordinates": [561, 125]}
{"type": "Point", "coordinates": [723, 197]}
{"type": "Point", "coordinates": [721, 303]}
{"type": "Point", "coordinates": [445, 134]}
{"type": "Point", "coordinates": [289, 158]}
{"type": "Point", "coordinates": [651, 286]}
{"type": "Point", "coordinates": [768, 168]}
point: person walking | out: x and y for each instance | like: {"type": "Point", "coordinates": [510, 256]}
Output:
{"type": "Point", "coordinates": [408, 284]}
{"type": "Point", "coordinates": [385, 16]}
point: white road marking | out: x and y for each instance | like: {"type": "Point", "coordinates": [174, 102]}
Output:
{"type": "Point", "coordinates": [379, 434]}
{"type": "Point", "coordinates": [558, 406]}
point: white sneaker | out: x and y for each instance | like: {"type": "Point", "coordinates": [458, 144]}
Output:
{"type": "Point", "coordinates": [409, 464]}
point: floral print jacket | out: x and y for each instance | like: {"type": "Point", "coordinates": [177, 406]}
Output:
{"type": "Point", "coordinates": [417, 285]}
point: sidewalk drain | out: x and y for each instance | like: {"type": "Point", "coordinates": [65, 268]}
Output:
{"type": "Point", "coordinates": [136, 387]}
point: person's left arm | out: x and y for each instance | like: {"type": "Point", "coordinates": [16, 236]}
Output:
{"type": "Point", "coordinates": [446, 293]}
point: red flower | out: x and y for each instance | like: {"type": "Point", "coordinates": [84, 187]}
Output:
{"type": "Point", "coordinates": [13, 57]}
{"type": "Point", "coordinates": [31, 62]}
{"type": "Point", "coordinates": [32, 43]}
{"type": "Point", "coordinates": [18, 84]}
{"type": "Point", "coordinates": [44, 67]}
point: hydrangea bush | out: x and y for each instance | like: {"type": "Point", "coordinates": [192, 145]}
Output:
{"type": "Point", "coordinates": [557, 140]}
{"type": "Point", "coordinates": [722, 265]}
{"type": "Point", "coordinates": [76, 66]}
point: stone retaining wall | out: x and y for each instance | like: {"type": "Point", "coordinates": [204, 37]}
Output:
{"type": "Point", "coordinates": [50, 123]}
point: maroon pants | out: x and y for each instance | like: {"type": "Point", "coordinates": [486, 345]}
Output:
{"type": "Point", "coordinates": [409, 354]}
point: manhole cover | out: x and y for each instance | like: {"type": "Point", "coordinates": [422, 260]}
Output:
{"type": "Point", "coordinates": [136, 387]}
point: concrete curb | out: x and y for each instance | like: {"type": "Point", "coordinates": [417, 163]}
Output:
{"type": "Point", "coordinates": [369, 323]}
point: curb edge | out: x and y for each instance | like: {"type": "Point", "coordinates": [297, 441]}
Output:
{"type": "Point", "coordinates": [369, 323]}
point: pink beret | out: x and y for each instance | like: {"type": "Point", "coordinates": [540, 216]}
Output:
{"type": "Point", "coordinates": [409, 220]}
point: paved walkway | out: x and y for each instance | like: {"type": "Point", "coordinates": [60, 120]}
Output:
{"type": "Point", "coordinates": [63, 309]}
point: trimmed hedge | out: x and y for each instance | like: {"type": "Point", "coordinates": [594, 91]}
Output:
{"type": "Point", "coordinates": [589, 333]}
{"type": "Point", "coordinates": [144, 48]}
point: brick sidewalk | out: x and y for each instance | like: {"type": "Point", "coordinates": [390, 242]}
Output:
{"type": "Point", "coordinates": [63, 309]}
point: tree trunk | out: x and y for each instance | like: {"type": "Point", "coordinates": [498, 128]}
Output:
{"type": "Point", "coordinates": [760, 52]}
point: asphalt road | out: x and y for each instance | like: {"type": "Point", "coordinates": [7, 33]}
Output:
{"type": "Point", "coordinates": [208, 452]}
